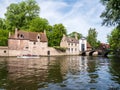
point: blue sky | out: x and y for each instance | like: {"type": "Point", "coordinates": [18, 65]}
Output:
{"type": "Point", "coordinates": [75, 15]}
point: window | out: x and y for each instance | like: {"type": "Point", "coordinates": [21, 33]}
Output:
{"type": "Point", "coordinates": [38, 37]}
{"type": "Point", "coordinates": [75, 49]}
{"type": "Point", "coordinates": [34, 43]}
{"type": "Point", "coordinates": [21, 36]}
{"type": "Point", "coordinates": [68, 49]}
{"type": "Point", "coordinates": [5, 51]}
{"type": "Point", "coordinates": [71, 44]}
{"type": "Point", "coordinates": [71, 49]}
{"type": "Point", "coordinates": [26, 47]}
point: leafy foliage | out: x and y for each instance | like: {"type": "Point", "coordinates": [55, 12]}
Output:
{"type": "Point", "coordinates": [3, 37]}
{"type": "Point", "coordinates": [111, 15]}
{"type": "Point", "coordinates": [55, 34]}
{"type": "Point", "coordinates": [62, 49]}
{"type": "Point", "coordinates": [114, 39]}
{"type": "Point", "coordinates": [2, 24]}
{"type": "Point", "coordinates": [19, 15]}
{"type": "Point", "coordinates": [79, 35]}
{"type": "Point", "coordinates": [38, 24]}
{"type": "Point", "coordinates": [92, 38]}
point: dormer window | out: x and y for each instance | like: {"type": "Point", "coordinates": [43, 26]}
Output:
{"type": "Point", "coordinates": [38, 37]}
{"type": "Point", "coordinates": [21, 36]}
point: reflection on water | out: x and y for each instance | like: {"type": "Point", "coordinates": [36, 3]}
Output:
{"type": "Point", "coordinates": [60, 73]}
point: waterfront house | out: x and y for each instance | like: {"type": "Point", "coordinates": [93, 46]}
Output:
{"type": "Point", "coordinates": [36, 43]}
{"type": "Point", "coordinates": [72, 45]}
{"type": "Point", "coordinates": [23, 42]}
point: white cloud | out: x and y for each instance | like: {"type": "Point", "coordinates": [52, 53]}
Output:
{"type": "Point", "coordinates": [78, 16]}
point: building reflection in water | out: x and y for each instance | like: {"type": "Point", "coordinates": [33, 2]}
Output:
{"type": "Point", "coordinates": [24, 73]}
{"type": "Point", "coordinates": [73, 65]}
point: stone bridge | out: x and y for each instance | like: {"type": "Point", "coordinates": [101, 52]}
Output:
{"type": "Point", "coordinates": [97, 52]}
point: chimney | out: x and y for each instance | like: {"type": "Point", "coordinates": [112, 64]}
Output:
{"type": "Point", "coordinates": [45, 32]}
{"type": "Point", "coordinates": [76, 36]}
{"type": "Point", "coordinates": [64, 35]}
{"type": "Point", "coordinates": [9, 34]}
{"type": "Point", "coordinates": [16, 31]}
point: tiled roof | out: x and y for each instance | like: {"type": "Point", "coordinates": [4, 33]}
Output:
{"type": "Point", "coordinates": [88, 45]}
{"type": "Point", "coordinates": [32, 36]}
{"type": "Point", "coordinates": [71, 40]}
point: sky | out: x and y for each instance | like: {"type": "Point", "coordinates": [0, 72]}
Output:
{"type": "Point", "coordinates": [75, 15]}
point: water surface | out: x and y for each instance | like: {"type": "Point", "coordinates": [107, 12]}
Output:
{"type": "Point", "coordinates": [60, 73]}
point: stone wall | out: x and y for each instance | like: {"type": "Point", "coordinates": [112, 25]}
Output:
{"type": "Point", "coordinates": [14, 52]}
{"type": "Point", "coordinates": [3, 51]}
{"type": "Point", "coordinates": [53, 52]}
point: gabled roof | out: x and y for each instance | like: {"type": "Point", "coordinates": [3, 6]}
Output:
{"type": "Point", "coordinates": [32, 36]}
{"type": "Point", "coordinates": [71, 40]}
{"type": "Point", "coordinates": [88, 45]}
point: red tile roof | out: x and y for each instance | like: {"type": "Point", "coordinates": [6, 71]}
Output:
{"type": "Point", "coordinates": [88, 45]}
{"type": "Point", "coordinates": [71, 40]}
{"type": "Point", "coordinates": [32, 36]}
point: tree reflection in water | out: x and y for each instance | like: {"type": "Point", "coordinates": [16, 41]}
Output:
{"type": "Point", "coordinates": [60, 73]}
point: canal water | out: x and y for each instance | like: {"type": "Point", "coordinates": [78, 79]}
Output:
{"type": "Point", "coordinates": [60, 73]}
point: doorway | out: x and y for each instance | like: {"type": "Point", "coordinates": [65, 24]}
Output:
{"type": "Point", "coordinates": [83, 47]}
{"type": "Point", "coordinates": [48, 53]}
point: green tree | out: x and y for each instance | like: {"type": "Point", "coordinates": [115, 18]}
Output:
{"type": "Point", "coordinates": [79, 35]}
{"type": "Point", "coordinates": [20, 14]}
{"type": "Point", "coordinates": [92, 38]}
{"type": "Point", "coordinates": [3, 37]}
{"type": "Point", "coordinates": [2, 24]}
{"type": "Point", "coordinates": [56, 34]}
{"type": "Point", "coordinates": [111, 15]}
{"type": "Point", "coordinates": [38, 24]}
{"type": "Point", "coordinates": [114, 39]}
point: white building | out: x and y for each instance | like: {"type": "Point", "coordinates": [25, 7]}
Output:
{"type": "Point", "coordinates": [83, 44]}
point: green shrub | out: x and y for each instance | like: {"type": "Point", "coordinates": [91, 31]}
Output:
{"type": "Point", "coordinates": [62, 49]}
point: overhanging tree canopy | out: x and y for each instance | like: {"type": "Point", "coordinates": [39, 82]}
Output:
{"type": "Point", "coordinates": [111, 15]}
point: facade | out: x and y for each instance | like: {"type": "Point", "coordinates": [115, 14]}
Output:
{"type": "Point", "coordinates": [4, 51]}
{"type": "Point", "coordinates": [72, 45]}
{"type": "Point", "coordinates": [23, 42]}
{"type": "Point", "coordinates": [83, 44]}
{"type": "Point", "coordinates": [34, 43]}
{"type": "Point", "coordinates": [29, 43]}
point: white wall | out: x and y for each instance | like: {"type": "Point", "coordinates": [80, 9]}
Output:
{"type": "Point", "coordinates": [83, 41]}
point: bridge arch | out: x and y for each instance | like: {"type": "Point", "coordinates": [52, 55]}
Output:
{"type": "Point", "coordinates": [106, 52]}
{"type": "Point", "coordinates": [91, 52]}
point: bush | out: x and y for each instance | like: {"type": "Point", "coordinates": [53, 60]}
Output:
{"type": "Point", "coordinates": [62, 49]}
